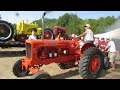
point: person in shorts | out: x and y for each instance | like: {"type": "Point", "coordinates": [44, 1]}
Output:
{"type": "Point", "coordinates": [112, 53]}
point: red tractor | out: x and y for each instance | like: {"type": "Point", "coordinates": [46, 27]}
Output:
{"type": "Point", "coordinates": [63, 52]}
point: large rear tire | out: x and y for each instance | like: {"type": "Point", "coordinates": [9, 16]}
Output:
{"type": "Point", "coordinates": [48, 34]}
{"type": "Point", "coordinates": [6, 31]}
{"type": "Point", "coordinates": [91, 63]}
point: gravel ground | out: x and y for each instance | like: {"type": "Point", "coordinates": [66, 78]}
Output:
{"type": "Point", "coordinates": [10, 55]}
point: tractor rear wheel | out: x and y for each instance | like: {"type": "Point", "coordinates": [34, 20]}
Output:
{"type": "Point", "coordinates": [22, 38]}
{"type": "Point", "coordinates": [91, 63]}
{"type": "Point", "coordinates": [41, 75]}
{"type": "Point", "coordinates": [17, 69]}
{"type": "Point", "coordinates": [6, 31]}
{"type": "Point", "coordinates": [48, 34]}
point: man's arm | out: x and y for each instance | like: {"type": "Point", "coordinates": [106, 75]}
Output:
{"type": "Point", "coordinates": [83, 34]}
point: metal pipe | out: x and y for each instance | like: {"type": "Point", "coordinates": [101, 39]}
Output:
{"type": "Point", "coordinates": [42, 34]}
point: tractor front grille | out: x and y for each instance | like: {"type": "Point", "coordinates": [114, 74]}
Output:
{"type": "Point", "coordinates": [28, 50]}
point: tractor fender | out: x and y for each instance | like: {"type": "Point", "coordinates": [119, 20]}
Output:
{"type": "Point", "coordinates": [86, 46]}
{"type": "Point", "coordinates": [58, 29]}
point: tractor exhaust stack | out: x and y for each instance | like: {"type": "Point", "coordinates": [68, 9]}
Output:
{"type": "Point", "coordinates": [42, 33]}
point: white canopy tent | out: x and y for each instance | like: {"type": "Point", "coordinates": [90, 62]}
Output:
{"type": "Point", "coordinates": [115, 34]}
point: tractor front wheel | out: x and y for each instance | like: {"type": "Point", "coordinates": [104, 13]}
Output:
{"type": "Point", "coordinates": [91, 63]}
{"type": "Point", "coordinates": [41, 75]}
{"type": "Point", "coordinates": [17, 69]}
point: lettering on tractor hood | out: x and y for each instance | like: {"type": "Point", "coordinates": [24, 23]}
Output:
{"type": "Point", "coordinates": [51, 43]}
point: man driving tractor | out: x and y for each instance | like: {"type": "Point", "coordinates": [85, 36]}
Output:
{"type": "Point", "coordinates": [88, 34]}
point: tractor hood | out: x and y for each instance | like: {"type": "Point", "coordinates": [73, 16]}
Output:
{"type": "Point", "coordinates": [44, 42]}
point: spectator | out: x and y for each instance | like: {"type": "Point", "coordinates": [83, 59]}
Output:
{"type": "Point", "coordinates": [96, 41]}
{"type": "Point", "coordinates": [102, 44]}
{"type": "Point", "coordinates": [112, 53]}
{"type": "Point", "coordinates": [33, 36]}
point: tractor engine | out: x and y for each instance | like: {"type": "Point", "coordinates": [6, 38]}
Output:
{"type": "Point", "coordinates": [43, 52]}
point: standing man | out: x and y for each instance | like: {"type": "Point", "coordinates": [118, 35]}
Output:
{"type": "Point", "coordinates": [33, 36]}
{"type": "Point", "coordinates": [88, 34]}
{"type": "Point", "coordinates": [96, 41]}
{"type": "Point", "coordinates": [112, 53]}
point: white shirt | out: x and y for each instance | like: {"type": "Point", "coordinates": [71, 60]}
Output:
{"type": "Point", "coordinates": [32, 37]}
{"type": "Point", "coordinates": [89, 35]}
{"type": "Point", "coordinates": [112, 47]}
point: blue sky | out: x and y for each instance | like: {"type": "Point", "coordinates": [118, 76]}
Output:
{"type": "Point", "coordinates": [10, 16]}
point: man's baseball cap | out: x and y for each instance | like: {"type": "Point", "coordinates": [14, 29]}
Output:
{"type": "Point", "coordinates": [87, 25]}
